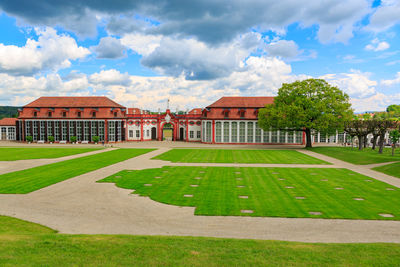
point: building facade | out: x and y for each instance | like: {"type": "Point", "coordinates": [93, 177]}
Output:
{"type": "Point", "coordinates": [230, 120]}
{"type": "Point", "coordinates": [8, 129]}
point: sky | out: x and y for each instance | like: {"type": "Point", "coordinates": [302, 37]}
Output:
{"type": "Point", "coordinates": [141, 53]}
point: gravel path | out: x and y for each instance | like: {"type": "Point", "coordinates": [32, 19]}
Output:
{"type": "Point", "coordinates": [82, 206]}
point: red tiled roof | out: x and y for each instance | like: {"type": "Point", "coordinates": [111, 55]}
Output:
{"type": "Point", "coordinates": [133, 111]}
{"type": "Point", "coordinates": [73, 101]}
{"type": "Point", "coordinates": [242, 102]}
{"type": "Point", "coordinates": [195, 111]}
{"type": "Point", "coordinates": [8, 122]}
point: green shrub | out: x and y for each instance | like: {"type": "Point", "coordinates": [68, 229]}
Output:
{"type": "Point", "coordinates": [95, 139]}
{"type": "Point", "coordinates": [50, 138]}
{"type": "Point", "coordinates": [72, 139]}
{"type": "Point", "coordinates": [29, 138]}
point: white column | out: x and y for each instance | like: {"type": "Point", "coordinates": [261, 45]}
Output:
{"type": "Point", "coordinates": [319, 135]}
{"type": "Point", "coordinates": [269, 136]}
{"type": "Point", "coordinates": [286, 137]}
{"type": "Point", "coordinates": [337, 135]}
{"type": "Point", "coordinates": [254, 132]}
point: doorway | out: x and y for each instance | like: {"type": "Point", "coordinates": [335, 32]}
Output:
{"type": "Point", "coordinates": [181, 134]}
{"type": "Point", "coordinates": [153, 133]}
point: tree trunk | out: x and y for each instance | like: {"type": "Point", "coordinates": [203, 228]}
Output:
{"type": "Point", "coordinates": [360, 142]}
{"type": "Point", "coordinates": [308, 137]}
{"type": "Point", "coordinates": [365, 139]}
{"type": "Point", "coordinates": [381, 140]}
{"type": "Point", "coordinates": [374, 139]}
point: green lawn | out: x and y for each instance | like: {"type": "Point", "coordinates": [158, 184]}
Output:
{"type": "Point", "coordinates": [27, 244]}
{"type": "Point", "coordinates": [218, 193]}
{"type": "Point", "coordinates": [25, 181]}
{"type": "Point", "coordinates": [18, 153]}
{"type": "Point", "coordinates": [390, 169]}
{"type": "Point", "coordinates": [238, 156]}
{"type": "Point", "coordinates": [366, 156]}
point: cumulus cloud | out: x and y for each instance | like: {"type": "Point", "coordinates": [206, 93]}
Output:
{"type": "Point", "coordinates": [376, 102]}
{"type": "Point", "coordinates": [208, 21]}
{"type": "Point", "coordinates": [355, 83]}
{"type": "Point", "coordinates": [194, 59]}
{"type": "Point", "coordinates": [110, 77]}
{"type": "Point", "coordinates": [283, 48]}
{"type": "Point", "coordinates": [49, 52]}
{"type": "Point", "coordinates": [392, 82]}
{"type": "Point", "coordinates": [109, 47]}
{"type": "Point", "coordinates": [376, 45]}
{"type": "Point", "coordinates": [385, 16]}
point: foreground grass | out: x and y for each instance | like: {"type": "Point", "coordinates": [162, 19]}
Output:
{"type": "Point", "coordinates": [25, 181]}
{"type": "Point", "coordinates": [219, 189]}
{"type": "Point", "coordinates": [238, 156]}
{"type": "Point", "coordinates": [27, 244]}
{"type": "Point", "coordinates": [390, 169]}
{"type": "Point", "coordinates": [366, 156]}
{"type": "Point", "coordinates": [19, 153]}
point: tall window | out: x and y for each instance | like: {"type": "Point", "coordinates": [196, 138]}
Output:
{"type": "Point", "coordinates": [28, 128]}
{"type": "Point", "coordinates": [11, 133]}
{"type": "Point", "coordinates": [266, 137]}
{"type": "Point", "coordinates": [137, 133]}
{"type": "Point", "coordinates": [258, 134]}
{"type": "Point", "coordinates": [234, 132]}
{"type": "Point", "coordinates": [290, 138]}
{"type": "Point", "coordinates": [119, 131]}
{"type": "Point", "coordinates": [79, 130]}
{"type": "Point", "coordinates": [130, 133]}
{"type": "Point", "coordinates": [208, 131]}
{"type": "Point", "coordinates": [198, 134]}
{"type": "Point", "coordinates": [42, 130]}
{"type": "Point", "coordinates": [71, 129]}
{"type": "Point", "coordinates": [250, 132]}
{"type": "Point", "coordinates": [101, 130]}
{"type": "Point", "coordinates": [57, 131]}
{"type": "Point", "coordinates": [274, 137]}
{"type": "Point", "coordinates": [242, 132]}
{"type": "Point", "coordinates": [35, 130]}
{"type": "Point", "coordinates": [86, 131]}
{"type": "Point", "coordinates": [226, 132]}
{"type": "Point", "coordinates": [218, 132]}
{"type": "Point", "coordinates": [111, 131]}
{"type": "Point", "coordinates": [64, 130]}
{"type": "Point", "coordinates": [93, 129]}
{"type": "Point", "coordinates": [49, 129]}
{"type": "Point", "coordinates": [282, 136]}
{"type": "Point", "coordinates": [191, 134]}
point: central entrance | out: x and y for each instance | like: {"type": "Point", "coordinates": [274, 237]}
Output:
{"type": "Point", "coordinates": [168, 132]}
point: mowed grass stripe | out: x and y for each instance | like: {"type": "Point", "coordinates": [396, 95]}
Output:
{"type": "Point", "coordinates": [238, 156]}
{"type": "Point", "coordinates": [268, 196]}
{"type": "Point", "coordinates": [390, 169]}
{"type": "Point", "coordinates": [355, 156]}
{"type": "Point", "coordinates": [26, 181]}
{"type": "Point", "coordinates": [21, 153]}
{"type": "Point", "coordinates": [27, 244]}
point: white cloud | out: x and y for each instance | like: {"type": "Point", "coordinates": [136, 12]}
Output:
{"type": "Point", "coordinates": [392, 82]}
{"type": "Point", "coordinates": [109, 47]}
{"type": "Point", "coordinates": [49, 52]}
{"type": "Point", "coordinates": [283, 48]}
{"type": "Point", "coordinates": [355, 83]}
{"type": "Point", "coordinates": [385, 16]}
{"type": "Point", "coordinates": [376, 45]}
{"type": "Point", "coordinates": [376, 102]}
{"type": "Point", "coordinates": [110, 77]}
{"type": "Point", "coordinates": [141, 43]}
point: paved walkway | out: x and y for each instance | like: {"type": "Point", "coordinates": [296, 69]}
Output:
{"type": "Point", "coordinates": [82, 206]}
{"type": "Point", "coordinates": [18, 165]}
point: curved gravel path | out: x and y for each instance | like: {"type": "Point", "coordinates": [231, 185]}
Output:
{"type": "Point", "coordinates": [82, 206]}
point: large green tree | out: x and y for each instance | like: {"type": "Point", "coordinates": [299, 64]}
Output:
{"type": "Point", "coordinates": [308, 105]}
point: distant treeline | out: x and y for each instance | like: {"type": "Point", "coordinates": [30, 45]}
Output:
{"type": "Point", "coordinates": [8, 112]}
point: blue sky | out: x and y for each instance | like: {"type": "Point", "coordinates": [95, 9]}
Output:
{"type": "Point", "coordinates": [141, 53]}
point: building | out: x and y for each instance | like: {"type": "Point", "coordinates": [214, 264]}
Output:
{"type": "Point", "coordinates": [230, 120]}
{"type": "Point", "coordinates": [8, 129]}
{"type": "Point", "coordinates": [64, 117]}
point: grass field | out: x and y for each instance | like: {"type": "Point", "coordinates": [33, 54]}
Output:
{"type": "Point", "coordinates": [390, 169]}
{"type": "Point", "coordinates": [366, 156]}
{"type": "Point", "coordinates": [238, 156]}
{"type": "Point", "coordinates": [25, 181]}
{"type": "Point", "coordinates": [269, 192]}
{"type": "Point", "coordinates": [27, 244]}
{"type": "Point", "coordinates": [18, 153]}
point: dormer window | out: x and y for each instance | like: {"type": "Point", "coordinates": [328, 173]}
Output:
{"type": "Point", "coordinates": [226, 113]}
{"type": "Point", "coordinates": [35, 114]}
{"type": "Point", "coordinates": [93, 114]}
{"type": "Point", "coordinates": [49, 114]}
{"type": "Point", "coordinates": [115, 114]}
{"type": "Point", "coordinates": [242, 113]}
{"type": "Point", "coordinates": [79, 114]}
{"type": "Point", "coordinates": [64, 114]}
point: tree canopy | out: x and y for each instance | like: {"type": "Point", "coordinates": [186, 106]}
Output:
{"type": "Point", "coordinates": [307, 105]}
